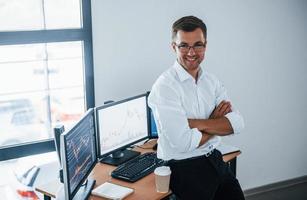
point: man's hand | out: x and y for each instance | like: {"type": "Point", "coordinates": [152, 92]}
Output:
{"type": "Point", "coordinates": [221, 110]}
{"type": "Point", "coordinates": [217, 124]}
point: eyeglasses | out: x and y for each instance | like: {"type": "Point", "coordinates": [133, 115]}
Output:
{"type": "Point", "coordinates": [184, 48]}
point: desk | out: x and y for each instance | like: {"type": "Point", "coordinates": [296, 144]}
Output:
{"type": "Point", "coordinates": [143, 188]}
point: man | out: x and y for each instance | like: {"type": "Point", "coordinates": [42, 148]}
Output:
{"type": "Point", "coordinates": [192, 111]}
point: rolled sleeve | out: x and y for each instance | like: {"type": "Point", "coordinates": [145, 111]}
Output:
{"type": "Point", "coordinates": [234, 117]}
{"type": "Point", "coordinates": [196, 139]}
{"type": "Point", "coordinates": [236, 121]}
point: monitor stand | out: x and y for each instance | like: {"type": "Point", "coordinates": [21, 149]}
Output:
{"type": "Point", "coordinates": [83, 193]}
{"type": "Point", "coordinates": [119, 157]}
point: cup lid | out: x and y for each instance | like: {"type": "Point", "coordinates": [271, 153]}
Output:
{"type": "Point", "coordinates": [163, 171]}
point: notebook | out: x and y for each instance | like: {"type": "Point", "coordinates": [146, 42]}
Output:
{"type": "Point", "coordinates": [112, 191]}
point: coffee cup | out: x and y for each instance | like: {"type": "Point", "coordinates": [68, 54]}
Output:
{"type": "Point", "coordinates": [162, 177]}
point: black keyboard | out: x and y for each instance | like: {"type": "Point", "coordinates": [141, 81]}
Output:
{"type": "Point", "coordinates": [137, 167]}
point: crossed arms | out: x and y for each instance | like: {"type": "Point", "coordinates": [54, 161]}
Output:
{"type": "Point", "coordinates": [217, 124]}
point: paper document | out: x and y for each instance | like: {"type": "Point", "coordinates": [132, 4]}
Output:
{"type": "Point", "coordinates": [112, 191]}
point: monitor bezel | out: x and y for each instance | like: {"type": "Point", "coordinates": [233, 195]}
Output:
{"type": "Point", "coordinates": [97, 109]}
{"type": "Point", "coordinates": [68, 193]}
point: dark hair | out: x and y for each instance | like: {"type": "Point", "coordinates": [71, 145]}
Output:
{"type": "Point", "coordinates": [188, 24]}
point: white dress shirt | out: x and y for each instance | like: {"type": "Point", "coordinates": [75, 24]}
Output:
{"type": "Point", "coordinates": [175, 98]}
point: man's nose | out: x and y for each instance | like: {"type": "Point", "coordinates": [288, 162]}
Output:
{"type": "Point", "coordinates": [191, 51]}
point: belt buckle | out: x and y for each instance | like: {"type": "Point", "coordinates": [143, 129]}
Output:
{"type": "Point", "coordinates": [209, 153]}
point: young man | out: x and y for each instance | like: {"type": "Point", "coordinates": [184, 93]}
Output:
{"type": "Point", "coordinates": [192, 112]}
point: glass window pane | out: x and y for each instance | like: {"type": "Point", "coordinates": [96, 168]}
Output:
{"type": "Point", "coordinates": [22, 119]}
{"type": "Point", "coordinates": [20, 77]}
{"type": "Point", "coordinates": [40, 85]}
{"type": "Point", "coordinates": [11, 53]}
{"type": "Point", "coordinates": [21, 15]}
{"type": "Point", "coordinates": [64, 50]}
{"type": "Point", "coordinates": [18, 15]}
{"type": "Point", "coordinates": [67, 105]}
{"type": "Point", "coordinates": [66, 62]}
{"type": "Point", "coordinates": [62, 14]}
{"type": "Point", "coordinates": [66, 73]}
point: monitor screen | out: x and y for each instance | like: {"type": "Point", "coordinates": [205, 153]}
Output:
{"type": "Point", "coordinates": [153, 127]}
{"type": "Point", "coordinates": [78, 153]}
{"type": "Point", "coordinates": [121, 124]}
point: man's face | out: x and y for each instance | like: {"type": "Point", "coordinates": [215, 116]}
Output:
{"type": "Point", "coordinates": [188, 57]}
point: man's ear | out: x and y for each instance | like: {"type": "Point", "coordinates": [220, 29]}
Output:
{"type": "Point", "coordinates": [174, 46]}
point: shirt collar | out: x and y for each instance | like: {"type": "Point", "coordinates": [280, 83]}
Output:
{"type": "Point", "coordinates": [183, 74]}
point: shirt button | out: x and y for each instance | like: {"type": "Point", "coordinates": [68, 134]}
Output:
{"type": "Point", "coordinates": [210, 147]}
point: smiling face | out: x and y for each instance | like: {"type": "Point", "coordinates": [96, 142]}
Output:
{"type": "Point", "coordinates": [190, 59]}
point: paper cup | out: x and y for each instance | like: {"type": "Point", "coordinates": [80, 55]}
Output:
{"type": "Point", "coordinates": [162, 177]}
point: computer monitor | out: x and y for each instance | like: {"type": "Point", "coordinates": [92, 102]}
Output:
{"type": "Point", "coordinates": [153, 127]}
{"type": "Point", "coordinates": [119, 125]}
{"type": "Point", "coordinates": [153, 133]}
{"type": "Point", "coordinates": [79, 156]}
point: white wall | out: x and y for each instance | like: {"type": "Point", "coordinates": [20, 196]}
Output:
{"type": "Point", "coordinates": [257, 48]}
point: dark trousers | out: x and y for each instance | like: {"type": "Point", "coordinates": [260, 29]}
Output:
{"type": "Point", "coordinates": [204, 178]}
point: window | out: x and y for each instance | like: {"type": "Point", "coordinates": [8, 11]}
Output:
{"type": "Point", "coordinates": [21, 15]}
{"type": "Point", "coordinates": [46, 71]}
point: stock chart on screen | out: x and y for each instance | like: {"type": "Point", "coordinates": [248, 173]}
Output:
{"type": "Point", "coordinates": [122, 124]}
{"type": "Point", "coordinates": [80, 151]}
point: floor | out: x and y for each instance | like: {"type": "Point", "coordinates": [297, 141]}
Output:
{"type": "Point", "coordinates": [295, 192]}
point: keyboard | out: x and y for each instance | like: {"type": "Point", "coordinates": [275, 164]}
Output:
{"type": "Point", "coordinates": [137, 167]}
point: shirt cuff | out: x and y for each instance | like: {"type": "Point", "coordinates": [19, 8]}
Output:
{"type": "Point", "coordinates": [236, 122]}
{"type": "Point", "coordinates": [197, 135]}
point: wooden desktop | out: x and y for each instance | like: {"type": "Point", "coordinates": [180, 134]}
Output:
{"type": "Point", "coordinates": [143, 189]}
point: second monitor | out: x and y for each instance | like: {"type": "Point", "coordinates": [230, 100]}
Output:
{"type": "Point", "coordinates": [119, 125]}
{"type": "Point", "coordinates": [79, 157]}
